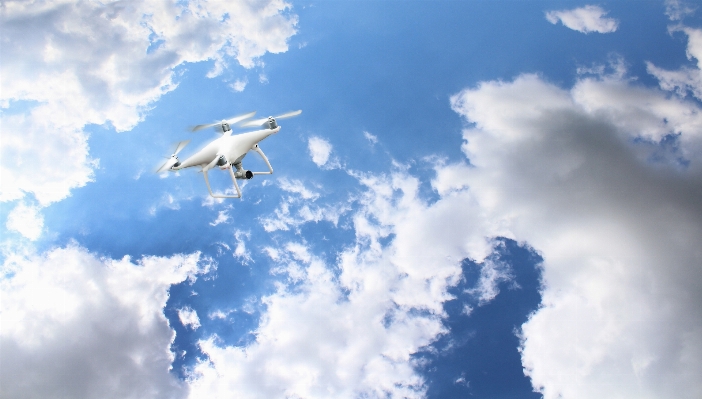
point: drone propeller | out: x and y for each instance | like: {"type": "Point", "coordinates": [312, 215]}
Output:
{"type": "Point", "coordinates": [262, 121]}
{"type": "Point", "coordinates": [174, 158]}
{"type": "Point", "coordinates": [229, 121]}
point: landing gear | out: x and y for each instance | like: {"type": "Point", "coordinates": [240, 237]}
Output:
{"type": "Point", "coordinates": [240, 173]}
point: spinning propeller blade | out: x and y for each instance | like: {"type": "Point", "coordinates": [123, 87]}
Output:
{"type": "Point", "coordinates": [230, 121]}
{"type": "Point", "coordinates": [173, 158]}
{"type": "Point", "coordinates": [260, 122]}
{"type": "Point", "coordinates": [180, 146]}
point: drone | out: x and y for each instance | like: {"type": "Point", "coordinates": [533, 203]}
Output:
{"type": "Point", "coordinates": [228, 151]}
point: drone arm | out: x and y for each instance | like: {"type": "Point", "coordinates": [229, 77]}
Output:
{"type": "Point", "coordinates": [236, 186]}
{"type": "Point", "coordinates": [265, 159]}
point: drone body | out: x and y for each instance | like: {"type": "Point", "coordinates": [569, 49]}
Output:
{"type": "Point", "coordinates": [228, 151]}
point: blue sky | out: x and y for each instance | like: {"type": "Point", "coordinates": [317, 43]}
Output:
{"type": "Point", "coordinates": [479, 199]}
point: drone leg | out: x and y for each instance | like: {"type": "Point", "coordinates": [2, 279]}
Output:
{"type": "Point", "coordinates": [207, 181]}
{"type": "Point", "coordinates": [270, 168]}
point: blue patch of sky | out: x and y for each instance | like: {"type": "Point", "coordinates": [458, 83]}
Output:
{"type": "Point", "coordinates": [479, 357]}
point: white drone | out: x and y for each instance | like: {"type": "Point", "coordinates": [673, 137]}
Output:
{"type": "Point", "coordinates": [228, 150]}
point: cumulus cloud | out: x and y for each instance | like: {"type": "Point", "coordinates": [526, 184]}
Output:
{"type": "Point", "coordinates": [188, 317]}
{"type": "Point", "coordinates": [571, 172]}
{"type": "Point", "coordinates": [26, 220]}
{"type": "Point", "coordinates": [78, 326]}
{"type": "Point", "coordinates": [348, 330]}
{"type": "Point", "coordinates": [320, 150]}
{"type": "Point", "coordinates": [584, 19]}
{"type": "Point", "coordinates": [107, 62]}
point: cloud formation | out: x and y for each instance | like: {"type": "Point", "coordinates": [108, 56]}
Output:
{"type": "Point", "coordinates": [582, 175]}
{"type": "Point", "coordinates": [348, 330]}
{"type": "Point", "coordinates": [584, 19]}
{"type": "Point", "coordinates": [686, 79]}
{"type": "Point", "coordinates": [78, 326]}
{"type": "Point", "coordinates": [26, 220]}
{"type": "Point", "coordinates": [67, 64]}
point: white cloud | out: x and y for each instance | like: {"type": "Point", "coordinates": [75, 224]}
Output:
{"type": "Point", "coordinates": [188, 317]}
{"type": "Point", "coordinates": [167, 201]}
{"type": "Point", "coordinates": [240, 250]}
{"type": "Point", "coordinates": [492, 274]}
{"type": "Point", "coordinates": [373, 139]}
{"type": "Point", "coordinates": [684, 79]}
{"type": "Point", "coordinates": [219, 314]}
{"type": "Point", "coordinates": [292, 213]}
{"type": "Point", "coordinates": [296, 186]}
{"type": "Point", "coordinates": [104, 63]}
{"type": "Point", "coordinates": [239, 85]}
{"type": "Point", "coordinates": [584, 19]}
{"type": "Point", "coordinates": [26, 220]}
{"type": "Point", "coordinates": [320, 150]}
{"type": "Point", "coordinates": [78, 326]}
{"type": "Point", "coordinates": [618, 230]}
{"type": "Point", "coordinates": [222, 217]}
{"type": "Point", "coordinates": [352, 335]}
{"type": "Point", "coordinates": [678, 9]}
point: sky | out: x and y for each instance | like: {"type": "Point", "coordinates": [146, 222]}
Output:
{"type": "Point", "coordinates": [480, 199]}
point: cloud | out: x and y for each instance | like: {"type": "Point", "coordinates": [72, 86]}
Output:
{"type": "Point", "coordinates": [297, 187]}
{"type": "Point", "coordinates": [320, 150]}
{"type": "Point", "coordinates": [239, 85]}
{"type": "Point", "coordinates": [372, 139]}
{"type": "Point", "coordinates": [26, 220]}
{"type": "Point", "coordinates": [240, 251]}
{"type": "Point", "coordinates": [684, 79]}
{"type": "Point", "coordinates": [584, 19]}
{"type": "Point", "coordinates": [349, 329]}
{"type": "Point", "coordinates": [573, 173]}
{"type": "Point", "coordinates": [79, 326]}
{"type": "Point", "coordinates": [294, 211]}
{"type": "Point", "coordinates": [188, 317]}
{"type": "Point", "coordinates": [222, 217]}
{"type": "Point", "coordinates": [166, 201]}
{"type": "Point", "coordinates": [102, 63]}
{"type": "Point", "coordinates": [677, 9]}
{"type": "Point", "coordinates": [492, 273]}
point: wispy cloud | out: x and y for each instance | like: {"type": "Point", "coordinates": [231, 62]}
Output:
{"type": "Point", "coordinates": [222, 217]}
{"type": "Point", "coordinates": [372, 139]}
